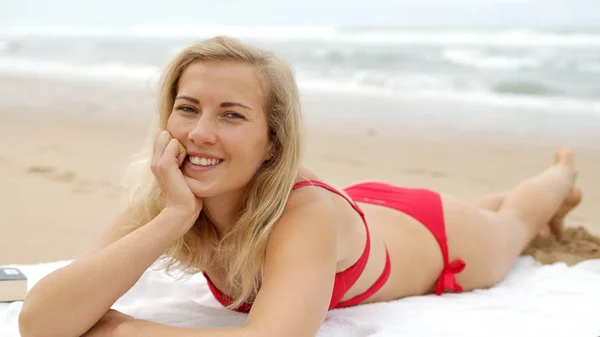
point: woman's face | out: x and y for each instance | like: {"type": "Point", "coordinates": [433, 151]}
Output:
{"type": "Point", "coordinates": [219, 117]}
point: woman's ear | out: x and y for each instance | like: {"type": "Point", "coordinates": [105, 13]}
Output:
{"type": "Point", "coordinates": [270, 153]}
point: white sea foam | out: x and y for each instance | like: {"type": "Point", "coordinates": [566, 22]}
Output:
{"type": "Point", "coordinates": [319, 33]}
{"type": "Point", "coordinates": [479, 59]}
{"type": "Point", "coordinates": [540, 69]}
{"type": "Point", "coordinates": [111, 71]}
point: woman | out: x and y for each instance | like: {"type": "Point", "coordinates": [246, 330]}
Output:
{"type": "Point", "coordinates": [221, 191]}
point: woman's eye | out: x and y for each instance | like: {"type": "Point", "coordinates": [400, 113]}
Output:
{"type": "Point", "coordinates": [186, 109]}
{"type": "Point", "coordinates": [232, 114]}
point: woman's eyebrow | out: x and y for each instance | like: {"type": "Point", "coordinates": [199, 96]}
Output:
{"type": "Point", "coordinates": [231, 104]}
{"type": "Point", "coordinates": [188, 98]}
{"type": "Point", "coordinates": [223, 105]}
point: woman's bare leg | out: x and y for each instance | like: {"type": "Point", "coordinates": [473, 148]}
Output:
{"type": "Point", "coordinates": [490, 242]}
{"type": "Point", "coordinates": [493, 202]}
{"type": "Point", "coordinates": [535, 201]}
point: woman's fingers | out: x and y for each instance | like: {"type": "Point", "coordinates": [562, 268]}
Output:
{"type": "Point", "coordinates": [170, 175]}
{"type": "Point", "coordinates": [181, 154]}
{"type": "Point", "coordinates": [160, 144]}
{"type": "Point", "coordinates": [177, 189]}
{"type": "Point", "coordinates": [171, 151]}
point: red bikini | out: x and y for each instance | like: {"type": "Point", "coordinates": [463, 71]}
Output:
{"type": "Point", "coordinates": [423, 205]}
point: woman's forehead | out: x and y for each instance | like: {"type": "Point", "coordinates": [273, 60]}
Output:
{"type": "Point", "coordinates": [238, 75]}
{"type": "Point", "coordinates": [222, 80]}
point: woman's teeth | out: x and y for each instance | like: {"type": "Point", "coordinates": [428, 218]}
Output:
{"type": "Point", "coordinates": [204, 161]}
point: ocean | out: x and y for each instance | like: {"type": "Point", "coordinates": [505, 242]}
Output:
{"type": "Point", "coordinates": [508, 67]}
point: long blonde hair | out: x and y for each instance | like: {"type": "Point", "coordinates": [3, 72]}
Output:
{"type": "Point", "coordinates": [241, 251]}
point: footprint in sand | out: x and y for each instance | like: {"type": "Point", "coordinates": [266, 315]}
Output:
{"type": "Point", "coordinates": [40, 169]}
{"type": "Point", "coordinates": [78, 185]}
{"type": "Point", "coordinates": [67, 176]}
{"type": "Point", "coordinates": [52, 173]}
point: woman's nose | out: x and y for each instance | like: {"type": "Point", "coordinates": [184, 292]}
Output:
{"type": "Point", "coordinates": [204, 131]}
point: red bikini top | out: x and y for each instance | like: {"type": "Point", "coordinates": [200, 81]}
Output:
{"type": "Point", "coordinates": [344, 280]}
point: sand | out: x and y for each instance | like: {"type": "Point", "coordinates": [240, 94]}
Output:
{"type": "Point", "coordinates": [64, 146]}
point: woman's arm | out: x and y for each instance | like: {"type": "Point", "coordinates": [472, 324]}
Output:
{"type": "Point", "coordinates": [300, 268]}
{"type": "Point", "coordinates": [140, 328]}
{"type": "Point", "coordinates": [71, 300]}
{"type": "Point", "coordinates": [298, 280]}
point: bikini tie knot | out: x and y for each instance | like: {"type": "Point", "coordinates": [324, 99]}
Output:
{"type": "Point", "coordinates": [447, 281]}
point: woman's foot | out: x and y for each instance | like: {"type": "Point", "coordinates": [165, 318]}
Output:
{"type": "Point", "coordinates": [564, 156]}
{"type": "Point", "coordinates": [556, 224]}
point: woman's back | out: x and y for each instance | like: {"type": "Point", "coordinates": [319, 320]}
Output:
{"type": "Point", "coordinates": [387, 229]}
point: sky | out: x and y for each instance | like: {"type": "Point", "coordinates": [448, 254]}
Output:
{"type": "Point", "coordinates": [389, 13]}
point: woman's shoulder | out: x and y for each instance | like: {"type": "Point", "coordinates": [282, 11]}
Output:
{"type": "Point", "coordinates": [313, 202]}
{"type": "Point", "coordinates": [307, 211]}
{"type": "Point", "coordinates": [306, 198]}
{"type": "Point", "coordinates": [305, 174]}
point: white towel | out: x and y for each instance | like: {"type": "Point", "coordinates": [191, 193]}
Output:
{"type": "Point", "coordinates": [534, 300]}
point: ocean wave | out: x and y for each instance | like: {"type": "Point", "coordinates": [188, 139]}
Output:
{"type": "Point", "coordinates": [527, 88]}
{"type": "Point", "coordinates": [426, 85]}
{"type": "Point", "coordinates": [169, 31]}
{"type": "Point", "coordinates": [321, 33]}
{"type": "Point", "coordinates": [107, 71]}
{"type": "Point", "coordinates": [479, 59]}
{"type": "Point", "coordinates": [507, 94]}
{"type": "Point", "coordinates": [565, 105]}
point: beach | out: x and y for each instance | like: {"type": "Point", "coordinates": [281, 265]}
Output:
{"type": "Point", "coordinates": [65, 146]}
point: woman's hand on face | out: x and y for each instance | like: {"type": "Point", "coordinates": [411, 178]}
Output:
{"type": "Point", "coordinates": [169, 154]}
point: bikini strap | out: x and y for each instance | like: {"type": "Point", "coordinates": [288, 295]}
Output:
{"type": "Point", "coordinates": [329, 188]}
{"type": "Point", "coordinates": [351, 274]}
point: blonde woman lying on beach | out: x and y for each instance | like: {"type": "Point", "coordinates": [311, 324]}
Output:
{"type": "Point", "coordinates": [221, 191]}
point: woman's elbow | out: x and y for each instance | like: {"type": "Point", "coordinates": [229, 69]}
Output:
{"type": "Point", "coordinates": [26, 326]}
{"type": "Point", "coordinates": [29, 326]}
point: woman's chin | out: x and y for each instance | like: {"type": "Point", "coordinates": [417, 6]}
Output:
{"type": "Point", "coordinates": [203, 192]}
{"type": "Point", "coordinates": [200, 189]}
